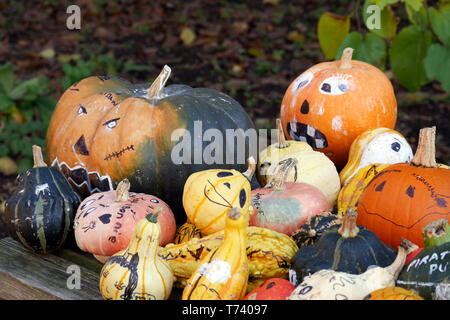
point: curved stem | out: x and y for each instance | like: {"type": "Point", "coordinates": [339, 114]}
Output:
{"type": "Point", "coordinates": [122, 191]}
{"type": "Point", "coordinates": [426, 150]}
{"type": "Point", "coordinates": [251, 168]}
{"type": "Point", "coordinates": [436, 233]}
{"type": "Point", "coordinates": [37, 157]}
{"type": "Point", "coordinates": [346, 59]}
{"type": "Point", "coordinates": [405, 248]}
{"type": "Point", "coordinates": [282, 143]}
{"type": "Point", "coordinates": [349, 229]}
{"type": "Point", "coordinates": [157, 87]}
{"type": "Point", "coordinates": [279, 178]}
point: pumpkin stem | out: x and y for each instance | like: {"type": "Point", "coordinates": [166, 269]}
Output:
{"type": "Point", "coordinates": [251, 168]}
{"type": "Point", "coordinates": [346, 58]}
{"type": "Point", "coordinates": [348, 228]}
{"type": "Point", "coordinates": [282, 143]}
{"type": "Point", "coordinates": [153, 216]}
{"type": "Point", "coordinates": [233, 213]}
{"type": "Point", "coordinates": [405, 248]}
{"type": "Point", "coordinates": [157, 86]}
{"type": "Point", "coordinates": [279, 178]}
{"type": "Point", "coordinates": [436, 233]}
{"type": "Point", "coordinates": [426, 154]}
{"type": "Point", "coordinates": [122, 191]}
{"type": "Point", "coordinates": [37, 157]}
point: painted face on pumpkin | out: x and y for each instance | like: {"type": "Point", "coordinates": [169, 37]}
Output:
{"type": "Point", "coordinates": [222, 189]}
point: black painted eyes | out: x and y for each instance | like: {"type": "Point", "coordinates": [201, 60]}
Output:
{"type": "Point", "coordinates": [222, 174]}
{"type": "Point", "coordinates": [81, 110]}
{"type": "Point", "coordinates": [395, 146]}
{"type": "Point", "coordinates": [242, 198]}
{"type": "Point", "coordinates": [154, 201]}
{"type": "Point", "coordinates": [305, 107]}
{"type": "Point", "coordinates": [326, 87]}
{"type": "Point", "coordinates": [111, 123]}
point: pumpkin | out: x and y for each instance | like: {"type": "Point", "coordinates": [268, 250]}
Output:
{"type": "Point", "coordinates": [274, 152]}
{"type": "Point", "coordinates": [393, 293]}
{"type": "Point", "coordinates": [271, 289]}
{"type": "Point", "coordinates": [375, 146]}
{"type": "Point", "coordinates": [430, 266]}
{"type": "Point", "coordinates": [186, 232]}
{"type": "Point", "coordinates": [223, 273]}
{"type": "Point", "coordinates": [137, 273]}
{"type": "Point", "coordinates": [41, 210]}
{"type": "Point", "coordinates": [349, 249]}
{"type": "Point", "coordinates": [331, 103]}
{"type": "Point", "coordinates": [105, 129]}
{"type": "Point", "coordinates": [284, 206]}
{"type": "Point", "coordinates": [105, 221]}
{"type": "Point", "coordinates": [209, 194]}
{"type": "Point", "coordinates": [314, 227]}
{"type": "Point", "coordinates": [404, 197]}
{"type": "Point", "coordinates": [328, 284]}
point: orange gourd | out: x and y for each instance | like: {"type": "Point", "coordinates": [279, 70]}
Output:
{"type": "Point", "coordinates": [393, 293]}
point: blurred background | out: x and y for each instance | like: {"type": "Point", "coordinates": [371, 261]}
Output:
{"type": "Point", "coordinates": [250, 50]}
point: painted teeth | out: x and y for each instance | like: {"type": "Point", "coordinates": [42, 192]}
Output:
{"type": "Point", "coordinates": [306, 133]}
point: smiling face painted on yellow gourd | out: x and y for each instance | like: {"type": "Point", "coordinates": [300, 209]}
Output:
{"type": "Point", "coordinates": [331, 103]}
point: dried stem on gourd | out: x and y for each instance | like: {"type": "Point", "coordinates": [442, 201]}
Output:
{"type": "Point", "coordinates": [153, 216]}
{"type": "Point", "coordinates": [436, 233]}
{"type": "Point", "coordinates": [251, 168]}
{"type": "Point", "coordinates": [233, 213]}
{"type": "Point", "coordinates": [37, 157]}
{"type": "Point", "coordinates": [348, 228]}
{"type": "Point", "coordinates": [278, 180]}
{"type": "Point", "coordinates": [122, 191]}
{"type": "Point", "coordinates": [426, 154]}
{"type": "Point", "coordinates": [282, 143]}
{"type": "Point", "coordinates": [346, 59]}
{"type": "Point", "coordinates": [158, 85]}
{"type": "Point", "coordinates": [405, 248]}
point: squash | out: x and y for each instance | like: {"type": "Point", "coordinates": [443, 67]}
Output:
{"type": "Point", "coordinates": [209, 194]}
{"type": "Point", "coordinates": [431, 265]}
{"type": "Point", "coordinates": [314, 227]}
{"type": "Point", "coordinates": [404, 197]}
{"type": "Point", "coordinates": [349, 249]}
{"type": "Point", "coordinates": [393, 293]}
{"type": "Point", "coordinates": [328, 284]}
{"type": "Point", "coordinates": [105, 221]}
{"type": "Point", "coordinates": [186, 232]}
{"type": "Point", "coordinates": [41, 210]}
{"type": "Point", "coordinates": [223, 273]}
{"type": "Point", "coordinates": [105, 129]}
{"type": "Point", "coordinates": [271, 289]}
{"type": "Point", "coordinates": [376, 146]}
{"type": "Point", "coordinates": [137, 273]}
{"type": "Point", "coordinates": [331, 103]}
{"type": "Point", "coordinates": [284, 206]}
{"type": "Point", "coordinates": [274, 152]}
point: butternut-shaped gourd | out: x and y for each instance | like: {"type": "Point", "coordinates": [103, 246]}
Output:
{"type": "Point", "coordinates": [137, 273]}
{"type": "Point", "coordinates": [334, 285]}
{"type": "Point", "coordinates": [274, 152]}
{"type": "Point", "coordinates": [223, 274]}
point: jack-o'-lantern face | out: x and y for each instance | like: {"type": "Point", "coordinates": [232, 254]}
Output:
{"type": "Point", "coordinates": [331, 103]}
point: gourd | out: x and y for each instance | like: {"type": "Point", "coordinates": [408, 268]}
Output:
{"type": "Point", "coordinates": [105, 221]}
{"type": "Point", "coordinates": [328, 284]}
{"type": "Point", "coordinates": [375, 146]}
{"type": "Point", "coordinates": [404, 197]}
{"type": "Point", "coordinates": [314, 227]}
{"type": "Point", "coordinates": [186, 232]}
{"type": "Point", "coordinates": [271, 289]}
{"type": "Point", "coordinates": [209, 194]}
{"type": "Point", "coordinates": [284, 206]}
{"type": "Point", "coordinates": [105, 129]}
{"type": "Point", "coordinates": [223, 273]}
{"type": "Point", "coordinates": [349, 248]}
{"type": "Point", "coordinates": [393, 293]}
{"type": "Point", "coordinates": [137, 273]}
{"type": "Point", "coordinates": [274, 152]}
{"type": "Point", "coordinates": [430, 265]}
{"type": "Point", "coordinates": [331, 103]}
{"type": "Point", "coordinates": [40, 212]}
{"type": "Point", "coordinates": [268, 252]}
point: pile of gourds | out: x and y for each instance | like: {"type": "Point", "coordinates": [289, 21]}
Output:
{"type": "Point", "coordinates": [343, 209]}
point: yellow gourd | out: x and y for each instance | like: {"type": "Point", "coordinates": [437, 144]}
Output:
{"type": "Point", "coordinates": [393, 293]}
{"type": "Point", "coordinates": [274, 152]}
{"type": "Point", "coordinates": [186, 232]}
{"type": "Point", "coordinates": [209, 194]}
{"type": "Point", "coordinates": [223, 273]}
{"type": "Point", "coordinates": [138, 273]}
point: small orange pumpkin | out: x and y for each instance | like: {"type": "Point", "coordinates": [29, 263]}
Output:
{"type": "Point", "coordinates": [393, 293]}
{"type": "Point", "coordinates": [331, 103]}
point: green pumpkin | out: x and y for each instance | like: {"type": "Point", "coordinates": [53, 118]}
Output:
{"type": "Point", "coordinates": [349, 248]}
{"type": "Point", "coordinates": [431, 265]}
{"type": "Point", "coordinates": [41, 211]}
{"type": "Point", "coordinates": [106, 129]}
{"type": "Point", "coordinates": [314, 227]}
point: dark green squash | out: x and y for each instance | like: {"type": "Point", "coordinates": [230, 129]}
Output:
{"type": "Point", "coordinates": [314, 227]}
{"type": "Point", "coordinates": [431, 265]}
{"type": "Point", "coordinates": [349, 248]}
{"type": "Point", "coordinates": [41, 211]}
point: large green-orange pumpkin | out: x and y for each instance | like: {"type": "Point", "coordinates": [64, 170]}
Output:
{"type": "Point", "coordinates": [105, 129]}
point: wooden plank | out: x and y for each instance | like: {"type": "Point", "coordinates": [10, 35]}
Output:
{"type": "Point", "coordinates": [27, 275]}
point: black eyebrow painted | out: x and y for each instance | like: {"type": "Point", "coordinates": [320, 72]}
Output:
{"type": "Point", "coordinates": [109, 121]}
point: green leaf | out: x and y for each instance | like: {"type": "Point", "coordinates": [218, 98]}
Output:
{"type": "Point", "coordinates": [7, 80]}
{"type": "Point", "coordinates": [332, 30]}
{"type": "Point", "coordinates": [440, 22]}
{"type": "Point", "coordinates": [384, 3]}
{"type": "Point", "coordinates": [6, 104]}
{"type": "Point", "coordinates": [369, 48]}
{"type": "Point", "coordinates": [22, 88]}
{"type": "Point", "coordinates": [415, 4]}
{"type": "Point", "coordinates": [387, 22]}
{"type": "Point", "coordinates": [417, 17]}
{"type": "Point", "coordinates": [406, 53]}
{"type": "Point", "coordinates": [437, 65]}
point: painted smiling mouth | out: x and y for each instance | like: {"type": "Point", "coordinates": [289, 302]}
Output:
{"type": "Point", "coordinates": [304, 132]}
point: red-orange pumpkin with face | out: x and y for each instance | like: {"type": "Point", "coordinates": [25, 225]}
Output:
{"type": "Point", "coordinates": [331, 103]}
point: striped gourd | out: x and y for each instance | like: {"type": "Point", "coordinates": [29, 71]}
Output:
{"type": "Point", "coordinates": [41, 211]}
{"type": "Point", "coordinates": [186, 232]}
{"type": "Point", "coordinates": [137, 272]}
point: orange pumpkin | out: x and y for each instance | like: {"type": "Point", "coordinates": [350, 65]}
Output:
{"type": "Point", "coordinates": [403, 198]}
{"type": "Point", "coordinates": [331, 103]}
{"type": "Point", "coordinates": [393, 293]}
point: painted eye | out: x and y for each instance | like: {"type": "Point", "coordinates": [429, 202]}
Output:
{"type": "Point", "coordinates": [334, 85]}
{"type": "Point", "coordinates": [395, 146]}
{"type": "Point", "coordinates": [222, 174]}
{"type": "Point", "coordinates": [111, 123]}
{"type": "Point", "coordinates": [227, 185]}
{"type": "Point", "coordinates": [242, 198]}
{"type": "Point", "coordinates": [81, 110]}
{"type": "Point", "coordinates": [265, 165]}
{"type": "Point", "coordinates": [154, 201]}
{"type": "Point", "coordinates": [302, 81]}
